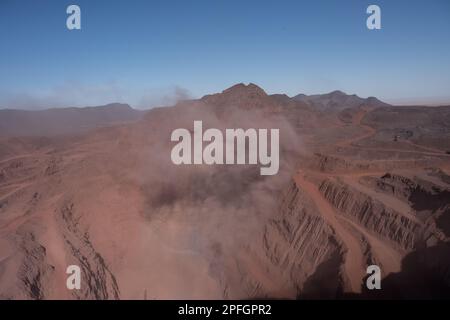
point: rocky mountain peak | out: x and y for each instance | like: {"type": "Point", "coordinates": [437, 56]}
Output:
{"type": "Point", "coordinates": [240, 95]}
{"type": "Point", "coordinates": [242, 89]}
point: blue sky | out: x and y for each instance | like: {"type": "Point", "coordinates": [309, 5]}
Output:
{"type": "Point", "coordinates": [150, 52]}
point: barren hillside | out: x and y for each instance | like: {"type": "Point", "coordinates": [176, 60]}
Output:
{"type": "Point", "coordinates": [360, 183]}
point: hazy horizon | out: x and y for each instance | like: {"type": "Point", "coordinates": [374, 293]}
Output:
{"type": "Point", "coordinates": [171, 98]}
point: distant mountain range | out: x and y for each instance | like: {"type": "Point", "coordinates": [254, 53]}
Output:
{"type": "Point", "coordinates": [64, 120]}
{"type": "Point", "coordinates": [338, 100]}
